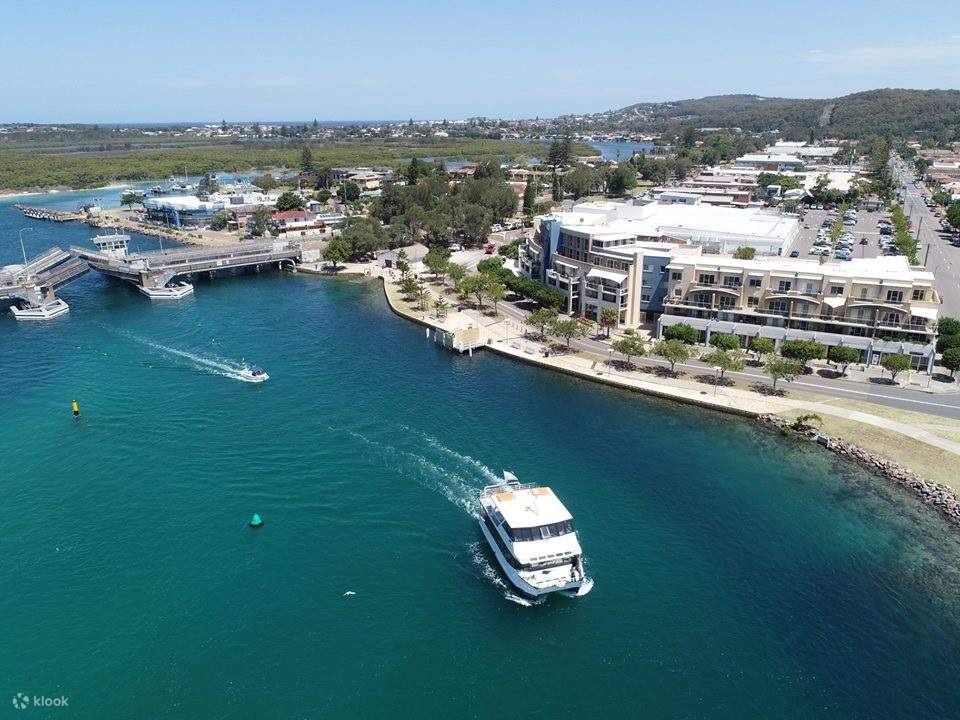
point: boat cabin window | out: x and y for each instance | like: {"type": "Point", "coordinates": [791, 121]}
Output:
{"type": "Point", "coordinates": [540, 533]}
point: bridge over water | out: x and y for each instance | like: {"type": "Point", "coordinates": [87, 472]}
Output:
{"type": "Point", "coordinates": [33, 285]}
{"type": "Point", "coordinates": [153, 273]}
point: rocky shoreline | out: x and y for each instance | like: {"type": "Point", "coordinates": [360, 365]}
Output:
{"type": "Point", "coordinates": [943, 498]}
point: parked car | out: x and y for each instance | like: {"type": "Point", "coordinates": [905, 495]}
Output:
{"type": "Point", "coordinates": [794, 253]}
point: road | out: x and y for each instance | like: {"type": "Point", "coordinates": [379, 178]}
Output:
{"type": "Point", "coordinates": [939, 256]}
{"type": "Point", "coordinates": [943, 405]}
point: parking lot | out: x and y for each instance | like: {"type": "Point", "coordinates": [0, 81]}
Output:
{"type": "Point", "coordinates": [865, 228]}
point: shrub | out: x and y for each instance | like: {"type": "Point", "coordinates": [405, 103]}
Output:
{"type": "Point", "coordinates": [946, 342]}
{"type": "Point", "coordinates": [681, 331]}
{"type": "Point", "coordinates": [951, 360]}
{"type": "Point", "coordinates": [725, 341]}
{"type": "Point", "coordinates": [948, 326]}
{"type": "Point", "coordinates": [762, 345]}
{"type": "Point", "coordinates": [491, 265]}
{"type": "Point", "coordinates": [531, 289]}
{"type": "Point", "coordinates": [803, 350]}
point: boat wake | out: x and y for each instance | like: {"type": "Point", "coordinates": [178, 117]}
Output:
{"type": "Point", "coordinates": [456, 488]}
{"type": "Point", "coordinates": [457, 477]}
{"type": "Point", "coordinates": [490, 574]}
{"type": "Point", "coordinates": [490, 477]}
{"type": "Point", "coordinates": [213, 365]}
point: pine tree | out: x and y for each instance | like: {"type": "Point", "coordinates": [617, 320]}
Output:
{"type": "Point", "coordinates": [529, 198]}
{"type": "Point", "coordinates": [306, 160]}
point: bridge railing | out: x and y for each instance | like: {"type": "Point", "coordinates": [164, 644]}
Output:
{"type": "Point", "coordinates": [157, 259]}
{"type": "Point", "coordinates": [62, 274]}
{"type": "Point", "coordinates": [34, 266]}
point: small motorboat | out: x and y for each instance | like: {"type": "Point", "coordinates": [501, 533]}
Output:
{"type": "Point", "coordinates": [253, 374]}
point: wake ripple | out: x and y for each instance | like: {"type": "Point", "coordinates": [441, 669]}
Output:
{"type": "Point", "coordinates": [460, 482]}
{"type": "Point", "coordinates": [210, 364]}
{"type": "Point", "coordinates": [453, 486]}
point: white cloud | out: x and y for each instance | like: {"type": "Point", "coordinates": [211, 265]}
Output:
{"type": "Point", "coordinates": [868, 58]}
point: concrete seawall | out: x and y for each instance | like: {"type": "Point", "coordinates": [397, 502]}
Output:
{"type": "Point", "coordinates": [761, 409]}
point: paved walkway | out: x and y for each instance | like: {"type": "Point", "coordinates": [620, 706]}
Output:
{"type": "Point", "coordinates": [506, 336]}
{"type": "Point", "coordinates": [946, 405]}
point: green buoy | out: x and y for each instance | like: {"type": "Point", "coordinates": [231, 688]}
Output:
{"type": "Point", "coordinates": [255, 521]}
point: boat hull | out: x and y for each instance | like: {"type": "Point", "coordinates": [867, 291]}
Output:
{"type": "Point", "coordinates": [574, 589]}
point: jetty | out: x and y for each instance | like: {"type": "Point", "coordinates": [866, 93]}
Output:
{"type": "Point", "coordinates": [153, 272]}
{"type": "Point", "coordinates": [49, 214]}
{"type": "Point", "coordinates": [32, 285]}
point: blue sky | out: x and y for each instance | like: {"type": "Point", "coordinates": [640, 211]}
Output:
{"type": "Point", "coordinates": [112, 61]}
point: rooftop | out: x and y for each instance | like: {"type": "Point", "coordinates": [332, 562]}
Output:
{"type": "Point", "coordinates": [609, 220]}
{"type": "Point", "coordinates": [294, 215]}
{"type": "Point", "coordinates": [893, 268]}
{"type": "Point", "coordinates": [530, 507]}
{"type": "Point", "coordinates": [769, 157]}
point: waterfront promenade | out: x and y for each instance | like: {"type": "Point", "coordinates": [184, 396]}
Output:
{"type": "Point", "coordinates": [916, 440]}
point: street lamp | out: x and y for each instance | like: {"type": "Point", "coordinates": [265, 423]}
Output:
{"type": "Point", "coordinates": [22, 248]}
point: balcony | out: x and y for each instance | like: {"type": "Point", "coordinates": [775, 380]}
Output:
{"type": "Point", "coordinates": [805, 294]}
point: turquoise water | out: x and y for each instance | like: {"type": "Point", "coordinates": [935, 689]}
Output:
{"type": "Point", "coordinates": [737, 574]}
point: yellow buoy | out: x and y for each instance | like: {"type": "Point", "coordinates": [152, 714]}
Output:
{"type": "Point", "coordinates": [76, 409]}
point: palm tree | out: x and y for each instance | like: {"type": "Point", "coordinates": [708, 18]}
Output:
{"type": "Point", "coordinates": [608, 319]}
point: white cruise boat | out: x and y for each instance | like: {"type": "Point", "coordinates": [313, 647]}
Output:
{"type": "Point", "coordinates": [532, 536]}
{"type": "Point", "coordinates": [253, 374]}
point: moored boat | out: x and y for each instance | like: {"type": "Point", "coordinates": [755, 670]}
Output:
{"type": "Point", "coordinates": [532, 536]}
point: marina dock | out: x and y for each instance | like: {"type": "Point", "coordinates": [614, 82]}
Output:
{"type": "Point", "coordinates": [49, 214]}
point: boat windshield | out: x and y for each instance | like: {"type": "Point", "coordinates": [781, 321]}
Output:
{"type": "Point", "coordinates": [541, 532]}
{"type": "Point", "coordinates": [256, 371]}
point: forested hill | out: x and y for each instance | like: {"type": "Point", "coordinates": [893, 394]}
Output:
{"type": "Point", "coordinates": [889, 111]}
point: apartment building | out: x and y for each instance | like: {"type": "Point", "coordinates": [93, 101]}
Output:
{"type": "Point", "coordinates": [304, 222]}
{"type": "Point", "coordinates": [614, 254]}
{"type": "Point", "coordinates": [878, 305]}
